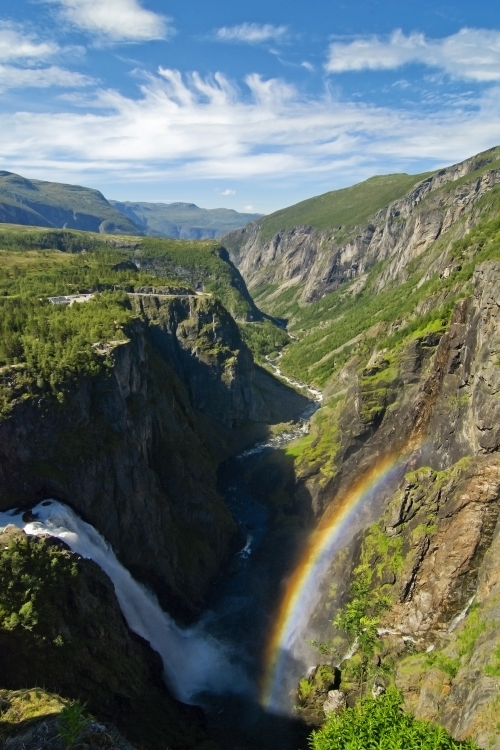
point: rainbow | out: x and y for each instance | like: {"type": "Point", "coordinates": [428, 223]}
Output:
{"type": "Point", "coordinates": [302, 588]}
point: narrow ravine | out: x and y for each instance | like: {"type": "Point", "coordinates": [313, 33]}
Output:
{"type": "Point", "coordinates": [216, 663]}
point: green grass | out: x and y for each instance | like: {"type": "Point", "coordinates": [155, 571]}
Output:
{"type": "Point", "coordinates": [493, 668]}
{"type": "Point", "coordinates": [344, 208]}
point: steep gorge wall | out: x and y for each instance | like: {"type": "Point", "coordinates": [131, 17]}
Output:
{"type": "Point", "coordinates": [135, 450]}
{"type": "Point", "coordinates": [433, 548]}
{"type": "Point", "coordinates": [320, 261]}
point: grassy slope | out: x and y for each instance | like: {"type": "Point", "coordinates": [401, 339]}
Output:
{"type": "Point", "coordinates": [16, 191]}
{"type": "Point", "coordinates": [341, 208]}
{"type": "Point", "coordinates": [342, 324]}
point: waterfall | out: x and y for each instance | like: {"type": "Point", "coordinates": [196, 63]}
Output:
{"type": "Point", "coordinates": [194, 662]}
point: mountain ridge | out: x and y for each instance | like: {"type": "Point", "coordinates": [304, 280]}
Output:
{"type": "Point", "coordinates": [181, 220]}
{"type": "Point", "coordinates": [52, 204]}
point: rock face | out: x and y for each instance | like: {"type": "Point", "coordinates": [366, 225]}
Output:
{"type": "Point", "coordinates": [62, 628]}
{"type": "Point", "coordinates": [335, 702]}
{"type": "Point", "coordinates": [45, 733]}
{"type": "Point", "coordinates": [434, 545]}
{"type": "Point", "coordinates": [134, 451]}
{"type": "Point", "coordinates": [320, 261]}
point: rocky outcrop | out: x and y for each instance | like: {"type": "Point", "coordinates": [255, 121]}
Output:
{"type": "Point", "coordinates": [320, 261]}
{"type": "Point", "coordinates": [45, 733]}
{"type": "Point", "coordinates": [221, 277]}
{"type": "Point", "coordinates": [134, 450]}
{"type": "Point", "coordinates": [61, 628]}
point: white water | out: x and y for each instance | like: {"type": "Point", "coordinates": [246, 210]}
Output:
{"type": "Point", "coordinates": [285, 437]}
{"type": "Point", "coordinates": [193, 661]}
{"type": "Point", "coordinates": [461, 616]}
{"type": "Point", "coordinates": [302, 426]}
{"type": "Point", "coordinates": [317, 395]}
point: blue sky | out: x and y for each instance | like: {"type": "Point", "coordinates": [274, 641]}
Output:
{"type": "Point", "coordinates": [249, 105]}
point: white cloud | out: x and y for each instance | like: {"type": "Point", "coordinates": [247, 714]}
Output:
{"type": "Point", "coordinates": [248, 208]}
{"type": "Point", "coordinates": [205, 128]}
{"type": "Point", "coordinates": [12, 77]}
{"type": "Point", "coordinates": [16, 44]}
{"type": "Point", "coordinates": [471, 54]}
{"type": "Point", "coordinates": [251, 33]}
{"type": "Point", "coordinates": [114, 20]}
{"type": "Point", "coordinates": [228, 192]}
{"type": "Point", "coordinates": [308, 66]}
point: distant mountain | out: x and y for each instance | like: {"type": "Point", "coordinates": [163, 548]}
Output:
{"type": "Point", "coordinates": [52, 204]}
{"type": "Point", "coordinates": [184, 221]}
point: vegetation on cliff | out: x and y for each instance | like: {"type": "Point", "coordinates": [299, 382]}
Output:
{"type": "Point", "coordinates": [340, 210]}
{"type": "Point", "coordinates": [381, 723]}
{"type": "Point", "coordinates": [47, 347]}
{"type": "Point", "coordinates": [61, 628]}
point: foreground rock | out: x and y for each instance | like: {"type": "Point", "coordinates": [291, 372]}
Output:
{"type": "Point", "coordinates": [62, 628]}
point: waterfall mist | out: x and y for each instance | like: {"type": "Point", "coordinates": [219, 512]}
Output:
{"type": "Point", "coordinates": [194, 662]}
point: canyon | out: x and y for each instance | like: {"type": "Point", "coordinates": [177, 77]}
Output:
{"type": "Point", "coordinates": [395, 322]}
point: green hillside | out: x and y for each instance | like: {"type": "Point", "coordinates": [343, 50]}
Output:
{"type": "Point", "coordinates": [53, 204]}
{"type": "Point", "coordinates": [183, 220]}
{"type": "Point", "coordinates": [201, 264]}
{"type": "Point", "coordinates": [341, 208]}
{"type": "Point", "coordinates": [342, 324]}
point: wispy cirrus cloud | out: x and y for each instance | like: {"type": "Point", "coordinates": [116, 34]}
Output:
{"type": "Point", "coordinates": [206, 128]}
{"type": "Point", "coordinates": [251, 33]}
{"type": "Point", "coordinates": [13, 77]}
{"type": "Point", "coordinates": [114, 20]}
{"type": "Point", "coordinates": [17, 44]}
{"type": "Point", "coordinates": [24, 57]}
{"type": "Point", "coordinates": [471, 54]}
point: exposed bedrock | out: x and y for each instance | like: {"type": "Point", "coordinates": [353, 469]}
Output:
{"type": "Point", "coordinates": [320, 261]}
{"type": "Point", "coordinates": [135, 450]}
{"type": "Point", "coordinates": [433, 547]}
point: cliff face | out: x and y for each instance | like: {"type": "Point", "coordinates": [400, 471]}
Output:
{"type": "Point", "coordinates": [61, 628]}
{"type": "Point", "coordinates": [135, 450]}
{"type": "Point", "coordinates": [320, 261]}
{"type": "Point", "coordinates": [433, 544]}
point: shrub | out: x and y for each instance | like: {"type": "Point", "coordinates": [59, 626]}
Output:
{"type": "Point", "coordinates": [381, 724]}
